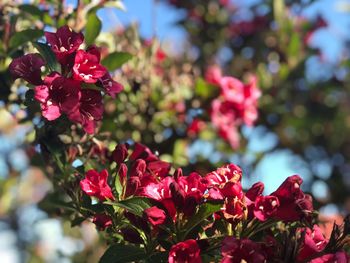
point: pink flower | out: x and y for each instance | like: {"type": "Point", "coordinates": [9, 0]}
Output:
{"type": "Point", "coordinates": [64, 42]}
{"type": "Point", "coordinates": [57, 95]}
{"type": "Point", "coordinates": [89, 110]}
{"type": "Point", "coordinates": [95, 184]}
{"type": "Point", "coordinates": [102, 221]}
{"type": "Point", "coordinates": [339, 257]}
{"type": "Point", "coordinates": [28, 67]}
{"type": "Point", "coordinates": [110, 86]}
{"type": "Point", "coordinates": [185, 252]}
{"type": "Point", "coordinates": [314, 242]}
{"type": "Point", "coordinates": [225, 119]}
{"type": "Point", "coordinates": [241, 250]}
{"type": "Point", "coordinates": [213, 75]}
{"type": "Point", "coordinates": [232, 90]}
{"type": "Point", "coordinates": [265, 207]}
{"type": "Point", "coordinates": [251, 96]}
{"type": "Point", "coordinates": [155, 216]}
{"type": "Point", "coordinates": [87, 66]}
{"type": "Point", "coordinates": [294, 204]}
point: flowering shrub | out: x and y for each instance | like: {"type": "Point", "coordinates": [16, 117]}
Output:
{"type": "Point", "coordinates": [68, 90]}
{"type": "Point", "coordinates": [237, 104]}
{"type": "Point", "coordinates": [146, 208]}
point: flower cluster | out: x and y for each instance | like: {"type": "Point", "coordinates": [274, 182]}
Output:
{"type": "Point", "coordinates": [236, 105]}
{"type": "Point", "coordinates": [175, 200]}
{"type": "Point", "coordinates": [76, 90]}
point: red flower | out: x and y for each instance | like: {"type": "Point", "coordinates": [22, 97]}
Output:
{"type": "Point", "coordinates": [224, 174]}
{"type": "Point", "coordinates": [160, 190]}
{"type": "Point", "coordinates": [160, 55]}
{"type": "Point", "coordinates": [251, 195]}
{"type": "Point", "coordinates": [87, 66]}
{"type": "Point", "coordinates": [57, 95]}
{"type": "Point", "coordinates": [158, 168]}
{"type": "Point", "coordinates": [122, 172]}
{"type": "Point", "coordinates": [28, 67]}
{"type": "Point", "coordinates": [294, 204]}
{"type": "Point", "coordinates": [234, 209]}
{"type": "Point", "coordinates": [195, 127]}
{"type": "Point", "coordinates": [120, 153]}
{"type": "Point", "coordinates": [241, 250]}
{"type": "Point", "coordinates": [189, 190]}
{"type": "Point", "coordinates": [185, 252]}
{"type": "Point", "coordinates": [142, 152]}
{"type": "Point", "coordinates": [314, 242]}
{"type": "Point", "coordinates": [102, 221]}
{"type": "Point", "coordinates": [110, 86]}
{"type": "Point", "coordinates": [95, 184]}
{"type": "Point", "coordinates": [64, 42]}
{"type": "Point", "coordinates": [232, 190]}
{"type": "Point", "coordinates": [265, 207]}
{"type": "Point", "coordinates": [89, 110]}
{"type": "Point", "coordinates": [255, 191]}
{"type": "Point", "coordinates": [155, 216]}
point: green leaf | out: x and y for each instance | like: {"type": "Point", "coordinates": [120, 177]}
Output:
{"type": "Point", "coordinates": [32, 10]}
{"type": "Point", "coordinates": [93, 28]}
{"type": "Point", "coordinates": [119, 253]}
{"type": "Point", "coordinates": [135, 205]}
{"type": "Point", "coordinates": [50, 58]}
{"type": "Point", "coordinates": [116, 60]}
{"type": "Point", "coordinates": [22, 37]}
{"type": "Point", "coordinates": [204, 211]}
{"type": "Point", "coordinates": [118, 185]}
{"type": "Point", "coordinates": [203, 89]}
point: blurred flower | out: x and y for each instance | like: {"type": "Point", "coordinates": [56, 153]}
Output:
{"type": "Point", "coordinates": [28, 67]}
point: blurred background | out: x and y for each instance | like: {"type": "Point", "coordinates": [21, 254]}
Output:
{"type": "Point", "coordinates": [299, 51]}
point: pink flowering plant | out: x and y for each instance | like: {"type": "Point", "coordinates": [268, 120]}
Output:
{"type": "Point", "coordinates": [150, 211]}
{"type": "Point", "coordinates": [147, 208]}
